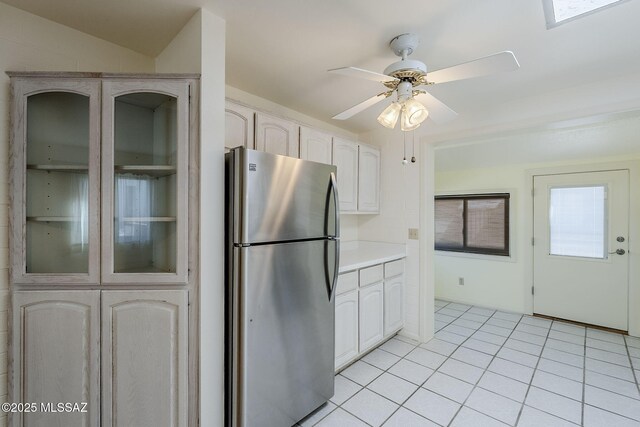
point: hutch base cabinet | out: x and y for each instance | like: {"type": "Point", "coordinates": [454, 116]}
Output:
{"type": "Point", "coordinates": [103, 238]}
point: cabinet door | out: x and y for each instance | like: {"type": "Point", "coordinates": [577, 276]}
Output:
{"type": "Point", "coordinates": [55, 171]}
{"type": "Point", "coordinates": [315, 145]}
{"type": "Point", "coordinates": [371, 314]}
{"type": "Point", "coordinates": [369, 179]}
{"type": "Point", "coordinates": [144, 358]}
{"type": "Point", "coordinates": [345, 157]}
{"type": "Point", "coordinates": [346, 328]}
{"type": "Point", "coordinates": [393, 304]}
{"type": "Point", "coordinates": [145, 158]}
{"type": "Point", "coordinates": [276, 136]}
{"type": "Point", "coordinates": [238, 126]}
{"type": "Point", "coordinates": [55, 349]}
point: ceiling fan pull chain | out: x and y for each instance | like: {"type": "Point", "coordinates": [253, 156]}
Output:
{"type": "Point", "coordinates": [404, 148]}
{"type": "Point", "coordinates": [413, 147]}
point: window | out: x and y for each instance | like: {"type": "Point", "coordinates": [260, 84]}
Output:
{"type": "Point", "coordinates": [560, 11]}
{"type": "Point", "coordinates": [577, 219]}
{"type": "Point", "coordinates": [476, 223]}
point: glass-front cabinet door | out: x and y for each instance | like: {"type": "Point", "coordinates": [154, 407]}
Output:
{"type": "Point", "coordinates": [55, 174]}
{"type": "Point", "coordinates": [145, 181]}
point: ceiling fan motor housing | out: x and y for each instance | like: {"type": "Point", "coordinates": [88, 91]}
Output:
{"type": "Point", "coordinates": [407, 69]}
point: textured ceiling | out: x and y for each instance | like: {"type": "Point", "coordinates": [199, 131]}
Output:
{"type": "Point", "coordinates": [280, 49]}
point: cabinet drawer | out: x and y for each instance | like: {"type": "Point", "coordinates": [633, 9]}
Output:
{"type": "Point", "coordinates": [370, 275]}
{"type": "Point", "coordinates": [393, 268]}
{"type": "Point", "coordinates": [347, 282]}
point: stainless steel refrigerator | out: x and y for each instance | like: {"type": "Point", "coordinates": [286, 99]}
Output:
{"type": "Point", "coordinates": [282, 248]}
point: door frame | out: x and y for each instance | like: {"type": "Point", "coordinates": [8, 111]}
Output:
{"type": "Point", "coordinates": [634, 229]}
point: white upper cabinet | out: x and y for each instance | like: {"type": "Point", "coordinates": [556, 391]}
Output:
{"type": "Point", "coordinates": [345, 158]}
{"type": "Point", "coordinates": [358, 165]}
{"type": "Point", "coordinates": [91, 154]}
{"type": "Point", "coordinates": [276, 136]}
{"type": "Point", "coordinates": [55, 171]}
{"type": "Point", "coordinates": [145, 177]}
{"type": "Point", "coordinates": [315, 145]}
{"type": "Point", "coordinates": [369, 179]}
{"type": "Point", "coordinates": [238, 131]}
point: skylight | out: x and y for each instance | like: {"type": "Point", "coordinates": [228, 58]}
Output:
{"type": "Point", "coordinates": [560, 11]}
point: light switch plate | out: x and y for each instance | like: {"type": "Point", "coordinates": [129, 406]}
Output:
{"type": "Point", "coordinates": [413, 233]}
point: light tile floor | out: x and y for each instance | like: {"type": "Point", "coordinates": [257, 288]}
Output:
{"type": "Point", "coordinates": [490, 368]}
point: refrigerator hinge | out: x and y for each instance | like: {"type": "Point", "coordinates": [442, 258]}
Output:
{"type": "Point", "coordinates": [533, 241]}
{"type": "Point", "coordinates": [532, 291]}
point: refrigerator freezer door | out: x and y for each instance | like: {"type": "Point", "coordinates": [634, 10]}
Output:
{"type": "Point", "coordinates": [278, 198]}
{"type": "Point", "coordinates": [284, 321]}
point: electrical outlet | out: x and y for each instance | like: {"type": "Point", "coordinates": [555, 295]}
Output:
{"type": "Point", "coordinates": [413, 233]}
{"type": "Point", "coordinates": [461, 281]}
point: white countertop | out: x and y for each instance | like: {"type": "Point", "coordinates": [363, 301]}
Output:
{"type": "Point", "coordinates": [359, 254]}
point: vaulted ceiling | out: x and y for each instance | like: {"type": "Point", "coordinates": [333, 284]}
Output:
{"type": "Point", "coordinates": [281, 49]}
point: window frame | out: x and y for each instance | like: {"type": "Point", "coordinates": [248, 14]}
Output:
{"type": "Point", "coordinates": [550, 16]}
{"type": "Point", "coordinates": [506, 252]}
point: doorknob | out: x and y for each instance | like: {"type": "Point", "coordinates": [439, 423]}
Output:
{"type": "Point", "coordinates": [619, 252]}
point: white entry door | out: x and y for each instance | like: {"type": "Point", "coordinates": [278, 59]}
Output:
{"type": "Point", "coordinates": [581, 231]}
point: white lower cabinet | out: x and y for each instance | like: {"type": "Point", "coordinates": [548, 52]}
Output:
{"type": "Point", "coordinates": [346, 325]}
{"type": "Point", "coordinates": [144, 358]}
{"type": "Point", "coordinates": [56, 354]}
{"type": "Point", "coordinates": [393, 304]}
{"type": "Point", "coordinates": [369, 308]}
{"type": "Point", "coordinates": [123, 353]}
{"type": "Point", "coordinates": [371, 316]}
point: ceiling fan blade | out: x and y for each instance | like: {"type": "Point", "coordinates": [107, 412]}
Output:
{"type": "Point", "coordinates": [360, 107]}
{"type": "Point", "coordinates": [438, 111]}
{"type": "Point", "coordinates": [496, 63]}
{"type": "Point", "coordinates": [362, 74]}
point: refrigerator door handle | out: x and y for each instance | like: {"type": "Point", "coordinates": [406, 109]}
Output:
{"type": "Point", "coordinates": [332, 194]}
{"type": "Point", "coordinates": [331, 277]}
{"type": "Point", "coordinates": [336, 269]}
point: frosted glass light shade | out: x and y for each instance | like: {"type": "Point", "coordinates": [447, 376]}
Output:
{"type": "Point", "coordinates": [389, 117]}
{"type": "Point", "coordinates": [414, 113]}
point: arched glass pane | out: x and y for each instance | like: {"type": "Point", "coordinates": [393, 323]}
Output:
{"type": "Point", "coordinates": [145, 183]}
{"type": "Point", "coordinates": [57, 183]}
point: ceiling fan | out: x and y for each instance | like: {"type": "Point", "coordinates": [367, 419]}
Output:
{"type": "Point", "coordinates": [405, 78]}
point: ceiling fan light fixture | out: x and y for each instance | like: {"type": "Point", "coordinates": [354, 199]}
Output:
{"type": "Point", "coordinates": [389, 117]}
{"type": "Point", "coordinates": [406, 125]}
{"type": "Point", "coordinates": [413, 114]}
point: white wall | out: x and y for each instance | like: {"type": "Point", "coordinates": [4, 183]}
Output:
{"type": "Point", "coordinates": [200, 48]}
{"type": "Point", "coordinates": [489, 281]}
{"type": "Point", "coordinates": [399, 211]}
{"type": "Point", "coordinates": [500, 282]}
{"type": "Point", "coordinates": [28, 42]}
{"type": "Point", "coordinates": [212, 94]}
